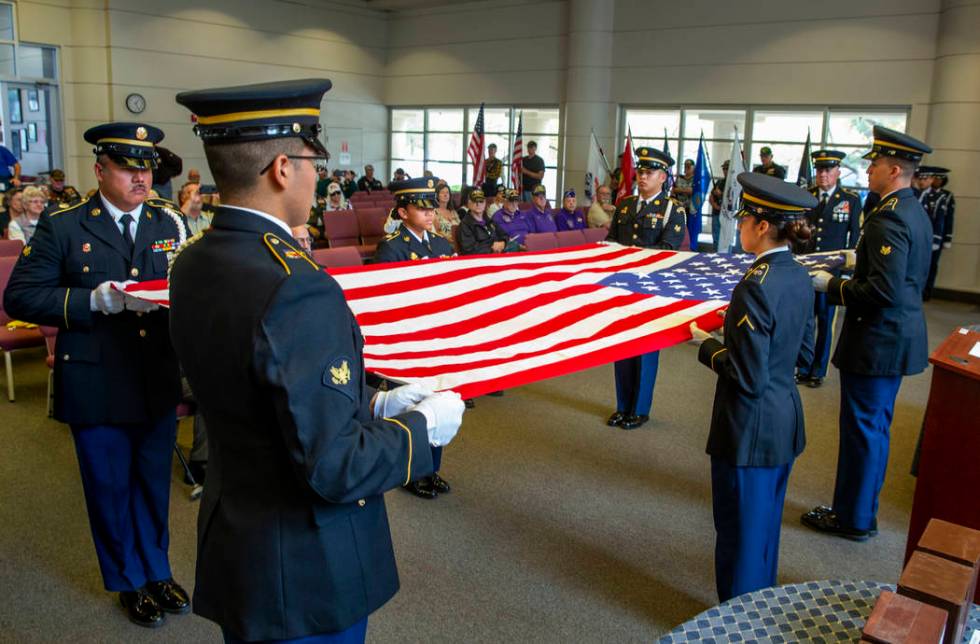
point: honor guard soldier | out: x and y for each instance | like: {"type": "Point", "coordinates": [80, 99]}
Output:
{"type": "Point", "coordinates": [116, 379]}
{"type": "Point", "coordinates": [883, 336]}
{"type": "Point", "coordinates": [922, 182]}
{"type": "Point", "coordinates": [837, 222]}
{"type": "Point", "coordinates": [757, 419]}
{"type": "Point", "coordinates": [651, 220]}
{"type": "Point", "coordinates": [61, 195]}
{"type": "Point", "coordinates": [767, 166]}
{"type": "Point", "coordinates": [414, 239]}
{"type": "Point", "coordinates": [293, 538]}
{"type": "Point", "coordinates": [940, 206]}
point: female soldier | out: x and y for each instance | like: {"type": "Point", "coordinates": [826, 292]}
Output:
{"type": "Point", "coordinates": [757, 420]}
{"type": "Point", "coordinates": [414, 239]}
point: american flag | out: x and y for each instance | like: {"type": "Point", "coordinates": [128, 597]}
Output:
{"type": "Point", "coordinates": [627, 170]}
{"type": "Point", "coordinates": [517, 155]}
{"type": "Point", "coordinates": [479, 324]}
{"type": "Point", "coordinates": [475, 151]}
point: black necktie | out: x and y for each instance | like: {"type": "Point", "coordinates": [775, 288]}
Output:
{"type": "Point", "coordinates": [823, 201]}
{"type": "Point", "coordinates": [125, 220]}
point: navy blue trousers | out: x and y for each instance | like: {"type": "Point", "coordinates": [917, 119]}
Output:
{"type": "Point", "coordinates": [694, 230]}
{"type": "Point", "coordinates": [747, 503]}
{"type": "Point", "coordinates": [436, 457]}
{"type": "Point", "coordinates": [866, 407]}
{"type": "Point", "coordinates": [126, 478]}
{"type": "Point", "coordinates": [351, 635]}
{"type": "Point", "coordinates": [826, 315]}
{"type": "Point", "coordinates": [635, 378]}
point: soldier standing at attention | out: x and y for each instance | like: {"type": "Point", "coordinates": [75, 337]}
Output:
{"type": "Point", "coordinates": [757, 419]}
{"type": "Point", "coordinates": [293, 537]}
{"type": "Point", "coordinates": [767, 166]}
{"type": "Point", "coordinates": [116, 380]}
{"type": "Point", "coordinates": [836, 220]}
{"type": "Point", "coordinates": [651, 220]}
{"type": "Point", "coordinates": [884, 333]}
{"type": "Point", "coordinates": [942, 207]}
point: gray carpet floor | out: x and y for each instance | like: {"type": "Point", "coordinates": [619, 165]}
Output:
{"type": "Point", "coordinates": [558, 529]}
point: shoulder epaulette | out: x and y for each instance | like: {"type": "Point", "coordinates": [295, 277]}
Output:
{"type": "Point", "coordinates": [757, 274]}
{"type": "Point", "coordinates": [61, 211]}
{"type": "Point", "coordinates": [437, 234]}
{"type": "Point", "coordinates": [161, 202]}
{"type": "Point", "coordinates": [390, 236]}
{"type": "Point", "coordinates": [888, 204]}
{"type": "Point", "coordinates": [850, 193]}
{"type": "Point", "coordinates": [677, 202]}
{"type": "Point", "coordinates": [288, 255]}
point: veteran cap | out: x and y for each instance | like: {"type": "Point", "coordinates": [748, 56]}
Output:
{"type": "Point", "coordinates": [416, 192]}
{"type": "Point", "coordinates": [889, 143]}
{"type": "Point", "coordinates": [766, 150]}
{"type": "Point", "coordinates": [132, 145]}
{"type": "Point", "coordinates": [477, 195]}
{"type": "Point", "coordinates": [827, 158]}
{"type": "Point", "coordinates": [539, 190]}
{"type": "Point", "coordinates": [773, 199]}
{"type": "Point", "coordinates": [258, 112]}
{"type": "Point", "coordinates": [568, 193]}
{"type": "Point", "coordinates": [653, 159]}
{"type": "Point", "coordinates": [57, 175]}
{"type": "Point", "coordinates": [512, 195]}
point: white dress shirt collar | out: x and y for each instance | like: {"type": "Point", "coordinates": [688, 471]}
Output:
{"type": "Point", "coordinates": [773, 251]}
{"type": "Point", "coordinates": [117, 213]}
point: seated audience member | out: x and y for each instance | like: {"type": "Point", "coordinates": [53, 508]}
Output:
{"type": "Point", "coordinates": [398, 177]}
{"type": "Point", "coordinates": [22, 226]}
{"type": "Point", "coordinates": [464, 200]}
{"type": "Point", "coordinates": [191, 205]}
{"type": "Point", "coordinates": [495, 167]}
{"type": "Point", "coordinates": [335, 198]}
{"type": "Point", "coordinates": [323, 180]}
{"type": "Point", "coordinates": [496, 203]}
{"type": "Point", "coordinates": [445, 216]}
{"type": "Point", "coordinates": [540, 218]}
{"type": "Point", "coordinates": [302, 236]}
{"type": "Point", "coordinates": [369, 183]}
{"type": "Point", "coordinates": [477, 234]}
{"type": "Point", "coordinates": [602, 209]}
{"type": "Point", "coordinates": [59, 193]}
{"type": "Point", "coordinates": [567, 218]}
{"type": "Point", "coordinates": [511, 220]}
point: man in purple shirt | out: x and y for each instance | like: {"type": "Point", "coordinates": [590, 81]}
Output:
{"type": "Point", "coordinates": [511, 220]}
{"type": "Point", "coordinates": [539, 217]}
{"type": "Point", "coordinates": [567, 218]}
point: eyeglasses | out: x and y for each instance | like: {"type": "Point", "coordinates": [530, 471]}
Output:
{"type": "Point", "coordinates": [335, 193]}
{"type": "Point", "coordinates": [314, 158]}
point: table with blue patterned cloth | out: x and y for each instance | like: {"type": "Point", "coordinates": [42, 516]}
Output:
{"type": "Point", "coordinates": [813, 611]}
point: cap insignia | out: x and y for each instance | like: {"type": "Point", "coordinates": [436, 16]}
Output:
{"type": "Point", "coordinates": [886, 250]}
{"type": "Point", "coordinates": [297, 127]}
{"type": "Point", "coordinates": [141, 133]}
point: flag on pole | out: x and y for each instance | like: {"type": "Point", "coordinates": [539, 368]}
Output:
{"type": "Point", "coordinates": [804, 178]}
{"type": "Point", "coordinates": [475, 151]}
{"type": "Point", "coordinates": [700, 186]}
{"type": "Point", "coordinates": [483, 323]}
{"type": "Point", "coordinates": [517, 156]}
{"type": "Point", "coordinates": [597, 172]}
{"type": "Point", "coordinates": [669, 183]}
{"type": "Point", "coordinates": [627, 171]}
{"type": "Point", "coordinates": [732, 199]}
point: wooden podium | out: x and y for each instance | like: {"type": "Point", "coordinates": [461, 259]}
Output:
{"type": "Point", "coordinates": [948, 486]}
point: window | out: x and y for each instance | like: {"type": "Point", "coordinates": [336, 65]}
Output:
{"type": "Point", "coordinates": [436, 138]}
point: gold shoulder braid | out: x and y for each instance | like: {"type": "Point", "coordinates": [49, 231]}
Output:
{"type": "Point", "coordinates": [181, 248]}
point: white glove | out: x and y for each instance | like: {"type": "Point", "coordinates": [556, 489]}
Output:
{"type": "Point", "coordinates": [443, 413]}
{"type": "Point", "coordinates": [698, 335]}
{"type": "Point", "coordinates": [397, 400]}
{"type": "Point", "coordinates": [821, 280]}
{"type": "Point", "coordinates": [947, 245]}
{"type": "Point", "coordinates": [935, 247]}
{"type": "Point", "coordinates": [137, 305]}
{"type": "Point", "coordinates": [107, 299]}
{"type": "Point", "coordinates": [850, 259]}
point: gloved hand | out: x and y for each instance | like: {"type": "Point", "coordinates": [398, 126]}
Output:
{"type": "Point", "coordinates": [722, 313]}
{"type": "Point", "coordinates": [850, 259]}
{"type": "Point", "coordinates": [947, 245]}
{"type": "Point", "coordinates": [821, 280]}
{"type": "Point", "coordinates": [107, 299]}
{"type": "Point", "coordinates": [935, 247]}
{"type": "Point", "coordinates": [396, 401]}
{"type": "Point", "coordinates": [135, 304]}
{"type": "Point", "coordinates": [698, 335]}
{"type": "Point", "coordinates": [443, 413]}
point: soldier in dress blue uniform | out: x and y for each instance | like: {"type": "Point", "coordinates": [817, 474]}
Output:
{"type": "Point", "coordinates": [116, 378]}
{"type": "Point", "coordinates": [651, 220]}
{"type": "Point", "coordinates": [884, 333]}
{"type": "Point", "coordinates": [293, 538]}
{"type": "Point", "coordinates": [941, 208]}
{"type": "Point", "coordinates": [757, 419]}
{"type": "Point", "coordinates": [414, 240]}
{"type": "Point", "coordinates": [837, 221]}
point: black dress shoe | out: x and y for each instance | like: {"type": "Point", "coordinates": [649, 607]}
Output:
{"type": "Point", "coordinates": [469, 402]}
{"type": "Point", "coordinates": [823, 519]}
{"type": "Point", "coordinates": [616, 419]}
{"type": "Point", "coordinates": [169, 596]}
{"type": "Point", "coordinates": [422, 489]}
{"type": "Point", "coordinates": [801, 379]}
{"type": "Point", "coordinates": [813, 382]}
{"type": "Point", "coordinates": [141, 608]}
{"type": "Point", "coordinates": [438, 483]}
{"type": "Point", "coordinates": [633, 421]}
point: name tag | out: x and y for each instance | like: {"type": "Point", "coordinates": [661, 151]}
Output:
{"type": "Point", "coordinates": [164, 245]}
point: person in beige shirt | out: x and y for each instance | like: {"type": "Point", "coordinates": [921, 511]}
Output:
{"type": "Point", "coordinates": [602, 209]}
